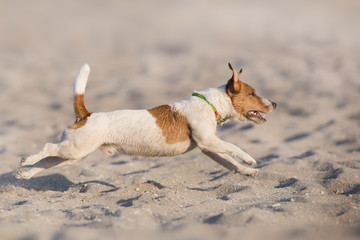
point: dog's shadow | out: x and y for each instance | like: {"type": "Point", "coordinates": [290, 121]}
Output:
{"type": "Point", "coordinates": [53, 182]}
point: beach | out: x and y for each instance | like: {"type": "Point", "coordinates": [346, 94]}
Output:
{"type": "Point", "coordinates": [302, 55]}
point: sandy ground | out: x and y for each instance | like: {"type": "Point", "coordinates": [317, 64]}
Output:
{"type": "Point", "coordinates": [304, 55]}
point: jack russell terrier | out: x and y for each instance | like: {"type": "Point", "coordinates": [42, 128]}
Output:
{"type": "Point", "coordinates": [166, 130]}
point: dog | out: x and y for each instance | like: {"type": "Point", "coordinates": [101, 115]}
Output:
{"type": "Point", "coordinates": [166, 130]}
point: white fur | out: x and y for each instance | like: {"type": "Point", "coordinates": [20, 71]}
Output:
{"type": "Point", "coordinates": [135, 132]}
{"type": "Point", "coordinates": [81, 79]}
{"type": "Point", "coordinates": [221, 101]}
{"type": "Point", "coordinates": [266, 102]}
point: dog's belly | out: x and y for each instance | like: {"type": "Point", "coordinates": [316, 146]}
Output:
{"type": "Point", "coordinates": [135, 132]}
{"type": "Point", "coordinates": [155, 149]}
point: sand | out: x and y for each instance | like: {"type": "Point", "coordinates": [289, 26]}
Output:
{"type": "Point", "coordinates": [302, 55]}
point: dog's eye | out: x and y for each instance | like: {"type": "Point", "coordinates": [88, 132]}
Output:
{"type": "Point", "coordinates": [253, 93]}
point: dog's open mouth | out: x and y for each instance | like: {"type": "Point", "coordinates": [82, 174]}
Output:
{"type": "Point", "coordinates": [256, 116]}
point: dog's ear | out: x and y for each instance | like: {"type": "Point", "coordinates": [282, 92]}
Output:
{"type": "Point", "coordinates": [232, 69]}
{"type": "Point", "coordinates": [233, 86]}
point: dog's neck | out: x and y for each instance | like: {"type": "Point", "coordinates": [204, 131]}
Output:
{"type": "Point", "coordinates": [221, 101]}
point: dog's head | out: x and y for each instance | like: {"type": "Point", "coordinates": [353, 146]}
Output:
{"type": "Point", "coordinates": [245, 100]}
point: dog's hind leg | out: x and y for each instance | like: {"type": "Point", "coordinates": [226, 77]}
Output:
{"type": "Point", "coordinates": [74, 149]}
{"type": "Point", "coordinates": [50, 149]}
{"type": "Point", "coordinates": [49, 162]}
{"type": "Point", "coordinates": [62, 154]}
{"type": "Point", "coordinates": [230, 163]}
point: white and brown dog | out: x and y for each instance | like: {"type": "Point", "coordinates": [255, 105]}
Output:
{"type": "Point", "coordinates": [166, 130]}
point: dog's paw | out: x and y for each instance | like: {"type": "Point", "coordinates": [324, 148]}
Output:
{"type": "Point", "coordinates": [22, 174]}
{"type": "Point", "coordinates": [251, 172]}
{"type": "Point", "coordinates": [247, 171]}
{"type": "Point", "coordinates": [249, 160]}
{"type": "Point", "coordinates": [254, 173]}
{"type": "Point", "coordinates": [23, 161]}
{"type": "Point", "coordinates": [26, 161]}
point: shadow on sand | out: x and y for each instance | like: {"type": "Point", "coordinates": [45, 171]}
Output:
{"type": "Point", "coordinates": [53, 182]}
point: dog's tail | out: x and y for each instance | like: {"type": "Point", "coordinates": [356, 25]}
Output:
{"type": "Point", "coordinates": [79, 91]}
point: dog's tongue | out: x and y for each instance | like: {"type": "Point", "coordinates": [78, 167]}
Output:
{"type": "Point", "coordinates": [259, 114]}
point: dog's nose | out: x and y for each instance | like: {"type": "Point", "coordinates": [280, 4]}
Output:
{"type": "Point", "coordinates": [273, 104]}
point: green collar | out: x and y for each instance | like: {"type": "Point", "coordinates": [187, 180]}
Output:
{"type": "Point", "coordinates": [212, 106]}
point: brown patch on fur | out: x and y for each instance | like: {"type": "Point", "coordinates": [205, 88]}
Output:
{"type": "Point", "coordinates": [79, 107]}
{"type": "Point", "coordinates": [173, 125]}
{"type": "Point", "coordinates": [79, 124]}
{"type": "Point", "coordinates": [243, 96]}
{"type": "Point", "coordinates": [81, 112]}
{"type": "Point", "coordinates": [243, 101]}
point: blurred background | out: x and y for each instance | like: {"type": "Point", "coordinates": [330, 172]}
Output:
{"type": "Point", "coordinates": [303, 55]}
{"type": "Point", "coordinates": [137, 50]}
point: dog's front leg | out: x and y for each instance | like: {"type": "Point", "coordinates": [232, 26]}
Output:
{"type": "Point", "coordinates": [212, 143]}
{"type": "Point", "coordinates": [230, 163]}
